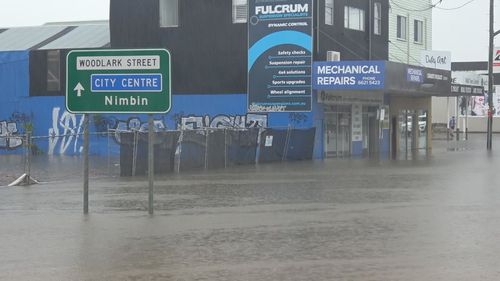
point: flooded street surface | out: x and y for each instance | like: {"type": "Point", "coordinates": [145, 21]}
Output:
{"type": "Point", "coordinates": [435, 217]}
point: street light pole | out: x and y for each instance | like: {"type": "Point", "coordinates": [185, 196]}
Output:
{"type": "Point", "coordinates": [490, 82]}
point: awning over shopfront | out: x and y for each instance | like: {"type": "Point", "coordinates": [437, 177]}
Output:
{"type": "Point", "coordinates": [382, 77]}
{"type": "Point", "coordinates": [410, 80]}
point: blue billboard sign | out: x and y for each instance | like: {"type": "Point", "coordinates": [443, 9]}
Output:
{"type": "Point", "coordinates": [280, 55]}
{"type": "Point", "coordinates": [349, 75]}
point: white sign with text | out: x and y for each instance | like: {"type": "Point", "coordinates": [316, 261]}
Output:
{"type": "Point", "coordinates": [436, 59]}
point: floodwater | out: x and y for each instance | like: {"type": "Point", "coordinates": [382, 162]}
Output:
{"type": "Point", "coordinates": [436, 217]}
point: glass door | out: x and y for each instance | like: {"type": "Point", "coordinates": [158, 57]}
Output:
{"type": "Point", "coordinates": [406, 130]}
{"type": "Point", "coordinates": [423, 127]}
{"type": "Point", "coordinates": [338, 132]}
{"type": "Point", "coordinates": [370, 131]}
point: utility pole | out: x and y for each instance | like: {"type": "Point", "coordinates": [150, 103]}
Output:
{"type": "Point", "coordinates": [490, 79]}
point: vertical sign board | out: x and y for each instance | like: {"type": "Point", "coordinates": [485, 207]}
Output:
{"type": "Point", "coordinates": [279, 55]}
{"type": "Point", "coordinates": [357, 122]}
{"type": "Point", "coordinates": [118, 81]}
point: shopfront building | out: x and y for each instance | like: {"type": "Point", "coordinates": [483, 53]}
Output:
{"type": "Point", "coordinates": [352, 123]}
{"type": "Point", "coordinates": [377, 108]}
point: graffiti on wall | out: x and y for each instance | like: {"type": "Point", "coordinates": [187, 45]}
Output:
{"type": "Point", "coordinates": [9, 135]}
{"type": "Point", "coordinates": [66, 129]}
{"type": "Point", "coordinates": [65, 132]}
{"type": "Point", "coordinates": [192, 122]}
{"type": "Point", "coordinates": [134, 124]}
{"type": "Point", "coordinates": [11, 130]}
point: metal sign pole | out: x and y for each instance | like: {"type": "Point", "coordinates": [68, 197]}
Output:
{"type": "Point", "coordinates": [118, 81]}
{"type": "Point", "coordinates": [447, 118]}
{"type": "Point", "coordinates": [28, 158]}
{"type": "Point", "coordinates": [86, 164]}
{"type": "Point", "coordinates": [457, 120]}
{"type": "Point", "coordinates": [490, 81]}
{"type": "Point", "coordinates": [467, 118]}
{"type": "Point", "coordinates": [151, 162]}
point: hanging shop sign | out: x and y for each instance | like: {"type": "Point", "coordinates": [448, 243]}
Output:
{"type": "Point", "coordinates": [436, 59]}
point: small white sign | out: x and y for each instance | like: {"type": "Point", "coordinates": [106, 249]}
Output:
{"type": "Point", "coordinates": [269, 141]}
{"type": "Point", "coordinates": [496, 60]}
{"type": "Point", "coordinates": [436, 59]}
{"type": "Point", "coordinates": [357, 122]}
{"type": "Point", "coordinates": [467, 78]}
{"type": "Point", "coordinates": [382, 114]}
{"type": "Point", "coordinates": [118, 62]}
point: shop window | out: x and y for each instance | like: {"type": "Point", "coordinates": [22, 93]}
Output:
{"type": "Point", "coordinates": [329, 12]}
{"type": "Point", "coordinates": [401, 27]}
{"type": "Point", "coordinates": [240, 11]}
{"type": "Point", "coordinates": [377, 18]}
{"type": "Point", "coordinates": [169, 13]}
{"type": "Point", "coordinates": [354, 18]}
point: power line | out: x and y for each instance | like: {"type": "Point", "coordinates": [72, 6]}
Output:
{"type": "Point", "coordinates": [414, 59]}
{"type": "Point", "coordinates": [362, 47]}
{"type": "Point", "coordinates": [366, 49]}
{"type": "Point", "coordinates": [342, 45]}
{"type": "Point", "coordinates": [458, 7]}
{"type": "Point", "coordinates": [417, 10]}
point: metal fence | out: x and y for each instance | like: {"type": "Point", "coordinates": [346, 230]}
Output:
{"type": "Point", "coordinates": [212, 148]}
{"type": "Point", "coordinates": [125, 153]}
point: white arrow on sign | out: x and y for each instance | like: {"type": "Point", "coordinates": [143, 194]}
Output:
{"type": "Point", "coordinates": [79, 89]}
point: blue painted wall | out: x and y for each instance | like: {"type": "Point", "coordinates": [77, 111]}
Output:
{"type": "Point", "coordinates": [14, 85]}
{"type": "Point", "coordinates": [14, 76]}
{"type": "Point", "coordinates": [48, 117]}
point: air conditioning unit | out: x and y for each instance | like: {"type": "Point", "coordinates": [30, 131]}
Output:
{"type": "Point", "coordinates": [332, 56]}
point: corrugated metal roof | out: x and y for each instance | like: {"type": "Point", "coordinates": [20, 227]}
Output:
{"type": "Point", "coordinates": [77, 23]}
{"type": "Point", "coordinates": [84, 36]}
{"type": "Point", "coordinates": [24, 38]}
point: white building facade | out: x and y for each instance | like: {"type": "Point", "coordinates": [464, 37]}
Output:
{"type": "Point", "coordinates": [410, 30]}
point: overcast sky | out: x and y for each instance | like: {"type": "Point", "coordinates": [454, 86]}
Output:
{"type": "Point", "coordinates": [37, 12]}
{"type": "Point", "coordinates": [464, 32]}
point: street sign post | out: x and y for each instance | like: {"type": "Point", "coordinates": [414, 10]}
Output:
{"type": "Point", "coordinates": [118, 81]}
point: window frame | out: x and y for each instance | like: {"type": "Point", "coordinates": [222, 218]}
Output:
{"type": "Point", "coordinates": [418, 31]}
{"type": "Point", "coordinates": [400, 31]}
{"type": "Point", "coordinates": [162, 23]}
{"type": "Point", "coordinates": [329, 19]}
{"type": "Point", "coordinates": [347, 18]}
{"type": "Point", "coordinates": [234, 9]}
{"type": "Point", "coordinates": [53, 78]}
{"type": "Point", "coordinates": [377, 19]}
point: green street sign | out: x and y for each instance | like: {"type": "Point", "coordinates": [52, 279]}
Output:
{"type": "Point", "coordinates": [118, 81]}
